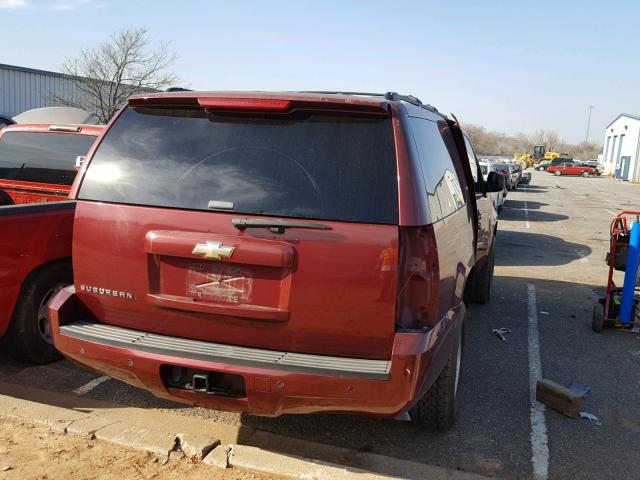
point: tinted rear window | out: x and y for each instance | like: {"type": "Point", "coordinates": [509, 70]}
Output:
{"type": "Point", "coordinates": [304, 165]}
{"type": "Point", "coordinates": [41, 157]}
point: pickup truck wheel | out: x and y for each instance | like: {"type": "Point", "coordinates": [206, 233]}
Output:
{"type": "Point", "coordinates": [481, 280]}
{"type": "Point", "coordinates": [29, 334]}
{"type": "Point", "coordinates": [437, 410]}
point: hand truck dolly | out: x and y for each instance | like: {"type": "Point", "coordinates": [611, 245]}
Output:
{"type": "Point", "coordinates": [619, 308]}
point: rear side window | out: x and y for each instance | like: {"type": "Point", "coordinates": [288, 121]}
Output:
{"type": "Point", "coordinates": [444, 193]}
{"type": "Point", "coordinates": [41, 157]}
{"type": "Point", "coordinates": [304, 165]}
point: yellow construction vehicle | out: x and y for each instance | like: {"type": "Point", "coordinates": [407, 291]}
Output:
{"type": "Point", "coordinates": [538, 155]}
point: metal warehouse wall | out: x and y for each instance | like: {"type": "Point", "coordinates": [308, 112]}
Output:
{"type": "Point", "coordinates": [22, 89]}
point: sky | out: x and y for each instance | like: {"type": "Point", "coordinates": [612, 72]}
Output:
{"type": "Point", "coordinates": [510, 66]}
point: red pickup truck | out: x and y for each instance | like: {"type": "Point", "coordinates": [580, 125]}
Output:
{"type": "Point", "coordinates": [37, 161]}
{"type": "Point", "coordinates": [36, 221]}
{"type": "Point", "coordinates": [280, 253]}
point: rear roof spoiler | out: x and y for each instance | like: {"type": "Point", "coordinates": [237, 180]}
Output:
{"type": "Point", "coordinates": [277, 104]}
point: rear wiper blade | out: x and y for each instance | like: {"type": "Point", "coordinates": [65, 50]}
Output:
{"type": "Point", "coordinates": [276, 226]}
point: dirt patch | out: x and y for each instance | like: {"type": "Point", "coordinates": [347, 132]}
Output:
{"type": "Point", "coordinates": [31, 452]}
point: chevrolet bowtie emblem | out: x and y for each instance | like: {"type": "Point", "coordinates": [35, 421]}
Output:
{"type": "Point", "coordinates": [214, 250]}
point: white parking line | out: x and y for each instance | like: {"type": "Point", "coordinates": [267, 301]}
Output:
{"type": "Point", "coordinates": [539, 440]}
{"type": "Point", "coordinates": [612, 213]}
{"type": "Point", "coordinates": [87, 387]}
{"type": "Point", "coordinates": [526, 209]}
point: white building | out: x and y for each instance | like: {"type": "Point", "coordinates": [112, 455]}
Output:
{"type": "Point", "coordinates": [621, 150]}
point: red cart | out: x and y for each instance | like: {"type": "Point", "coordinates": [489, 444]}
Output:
{"type": "Point", "coordinates": [606, 313]}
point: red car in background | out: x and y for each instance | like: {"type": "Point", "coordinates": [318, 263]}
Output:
{"type": "Point", "coordinates": [37, 161]}
{"type": "Point", "coordinates": [572, 168]}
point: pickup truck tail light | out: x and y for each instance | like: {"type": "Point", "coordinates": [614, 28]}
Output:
{"type": "Point", "coordinates": [418, 279]}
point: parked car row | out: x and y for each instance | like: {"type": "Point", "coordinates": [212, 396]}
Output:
{"type": "Point", "coordinates": [512, 173]}
{"type": "Point", "coordinates": [319, 246]}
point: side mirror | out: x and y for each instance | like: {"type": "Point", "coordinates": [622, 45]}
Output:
{"type": "Point", "coordinates": [79, 161]}
{"type": "Point", "coordinates": [495, 182]}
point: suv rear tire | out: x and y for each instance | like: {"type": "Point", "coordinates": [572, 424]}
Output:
{"type": "Point", "coordinates": [479, 288]}
{"type": "Point", "coordinates": [29, 334]}
{"type": "Point", "coordinates": [437, 410]}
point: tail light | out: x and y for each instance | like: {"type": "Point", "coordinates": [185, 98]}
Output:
{"type": "Point", "coordinates": [244, 103]}
{"type": "Point", "coordinates": [504, 173]}
{"type": "Point", "coordinates": [418, 279]}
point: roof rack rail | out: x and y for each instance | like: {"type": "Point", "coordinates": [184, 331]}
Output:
{"type": "Point", "coordinates": [409, 99]}
{"type": "Point", "coordinates": [337, 92]}
{"type": "Point", "coordinates": [393, 96]}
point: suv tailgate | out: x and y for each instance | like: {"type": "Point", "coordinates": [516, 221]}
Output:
{"type": "Point", "coordinates": [156, 249]}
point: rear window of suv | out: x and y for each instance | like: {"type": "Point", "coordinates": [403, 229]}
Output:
{"type": "Point", "coordinates": [41, 157]}
{"type": "Point", "coordinates": [303, 165]}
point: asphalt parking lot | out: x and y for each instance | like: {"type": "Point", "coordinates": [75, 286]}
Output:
{"type": "Point", "coordinates": [549, 273]}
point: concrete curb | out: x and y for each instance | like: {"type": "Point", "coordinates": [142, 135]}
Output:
{"type": "Point", "coordinates": [316, 461]}
{"type": "Point", "coordinates": [178, 435]}
{"type": "Point", "coordinates": [257, 459]}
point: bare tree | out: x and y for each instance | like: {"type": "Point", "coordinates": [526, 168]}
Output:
{"type": "Point", "coordinates": [125, 65]}
{"type": "Point", "coordinates": [496, 143]}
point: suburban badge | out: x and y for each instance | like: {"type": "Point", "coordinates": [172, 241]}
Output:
{"type": "Point", "coordinates": [214, 250]}
{"type": "Point", "coordinates": [107, 291]}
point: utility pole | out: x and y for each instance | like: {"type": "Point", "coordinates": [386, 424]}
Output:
{"type": "Point", "coordinates": [590, 107]}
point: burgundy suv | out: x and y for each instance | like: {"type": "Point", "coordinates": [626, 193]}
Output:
{"type": "Point", "coordinates": [279, 253]}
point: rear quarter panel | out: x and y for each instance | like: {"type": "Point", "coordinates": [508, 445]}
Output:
{"type": "Point", "coordinates": [455, 236]}
{"type": "Point", "coordinates": [32, 236]}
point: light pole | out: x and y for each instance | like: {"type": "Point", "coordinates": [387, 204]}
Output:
{"type": "Point", "coordinates": [590, 107]}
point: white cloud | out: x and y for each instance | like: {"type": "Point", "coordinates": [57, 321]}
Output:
{"type": "Point", "coordinates": [70, 5]}
{"type": "Point", "coordinates": [13, 3]}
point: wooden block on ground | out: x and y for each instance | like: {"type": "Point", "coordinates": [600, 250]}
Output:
{"type": "Point", "coordinates": [558, 397]}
